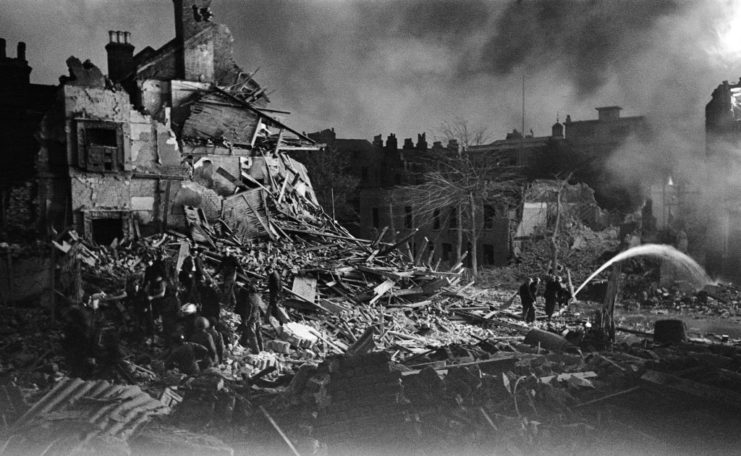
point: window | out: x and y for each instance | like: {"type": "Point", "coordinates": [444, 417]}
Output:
{"type": "Point", "coordinates": [454, 218]}
{"type": "Point", "coordinates": [436, 220]}
{"type": "Point", "coordinates": [376, 219]}
{"type": "Point", "coordinates": [489, 214]}
{"type": "Point", "coordinates": [103, 226]}
{"type": "Point", "coordinates": [408, 222]}
{"type": "Point", "coordinates": [100, 146]}
{"type": "Point", "coordinates": [488, 254]}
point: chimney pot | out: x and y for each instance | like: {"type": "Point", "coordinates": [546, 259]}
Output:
{"type": "Point", "coordinates": [110, 36]}
{"type": "Point", "coordinates": [21, 50]}
{"type": "Point", "coordinates": [126, 37]}
{"type": "Point", "coordinates": [2, 48]}
{"type": "Point", "coordinates": [118, 36]}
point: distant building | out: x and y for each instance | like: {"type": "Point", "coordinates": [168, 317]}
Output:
{"type": "Point", "coordinates": [22, 105]}
{"type": "Point", "coordinates": [579, 146]}
{"type": "Point", "coordinates": [723, 140]}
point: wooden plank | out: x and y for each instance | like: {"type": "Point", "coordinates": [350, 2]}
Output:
{"type": "Point", "coordinates": [259, 219]}
{"type": "Point", "coordinates": [413, 305]}
{"type": "Point", "coordinates": [382, 289]}
{"type": "Point", "coordinates": [182, 253]}
{"type": "Point", "coordinates": [421, 251]}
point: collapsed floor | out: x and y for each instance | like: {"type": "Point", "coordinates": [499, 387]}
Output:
{"type": "Point", "coordinates": [383, 354]}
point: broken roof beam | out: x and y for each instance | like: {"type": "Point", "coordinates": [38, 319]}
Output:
{"type": "Point", "coordinates": [257, 111]}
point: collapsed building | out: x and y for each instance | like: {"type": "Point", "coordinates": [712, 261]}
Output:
{"type": "Point", "coordinates": [170, 129]}
{"type": "Point", "coordinates": [723, 138]}
{"type": "Point", "coordinates": [583, 147]}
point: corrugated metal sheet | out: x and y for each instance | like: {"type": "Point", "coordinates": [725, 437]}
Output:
{"type": "Point", "coordinates": [83, 411]}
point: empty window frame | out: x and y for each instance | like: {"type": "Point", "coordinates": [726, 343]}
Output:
{"type": "Point", "coordinates": [100, 146]}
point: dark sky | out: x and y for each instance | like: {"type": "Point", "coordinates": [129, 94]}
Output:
{"type": "Point", "coordinates": [405, 66]}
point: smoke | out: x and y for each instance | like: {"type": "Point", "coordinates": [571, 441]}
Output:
{"type": "Point", "coordinates": [407, 66]}
{"type": "Point", "coordinates": [585, 41]}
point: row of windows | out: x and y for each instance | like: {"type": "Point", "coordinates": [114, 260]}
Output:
{"type": "Point", "coordinates": [437, 219]}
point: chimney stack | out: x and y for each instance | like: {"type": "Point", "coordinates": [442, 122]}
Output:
{"type": "Point", "coordinates": [14, 71]}
{"type": "Point", "coordinates": [120, 55]}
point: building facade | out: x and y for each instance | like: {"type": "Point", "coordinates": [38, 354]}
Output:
{"type": "Point", "coordinates": [177, 127]}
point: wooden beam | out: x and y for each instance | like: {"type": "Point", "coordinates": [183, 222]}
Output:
{"type": "Point", "coordinates": [257, 214]}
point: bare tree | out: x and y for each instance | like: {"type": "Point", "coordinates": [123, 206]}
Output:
{"type": "Point", "coordinates": [466, 135]}
{"type": "Point", "coordinates": [464, 182]}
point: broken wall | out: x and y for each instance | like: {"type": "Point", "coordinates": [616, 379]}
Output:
{"type": "Point", "coordinates": [154, 148]}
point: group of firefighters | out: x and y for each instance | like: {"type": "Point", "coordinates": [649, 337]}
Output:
{"type": "Point", "coordinates": [182, 307]}
{"type": "Point", "coordinates": [556, 294]}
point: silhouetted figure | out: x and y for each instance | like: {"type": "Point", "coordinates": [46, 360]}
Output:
{"type": "Point", "coordinates": [250, 311]}
{"type": "Point", "coordinates": [202, 336]}
{"type": "Point", "coordinates": [553, 290]}
{"type": "Point", "coordinates": [210, 302]}
{"type": "Point", "coordinates": [191, 274]}
{"type": "Point", "coordinates": [185, 355]}
{"type": "Point", "coordinates": [275, 290]}
{"type": "Point", "coordinates": [228, 269]}
{"type": "Point", "coordinates": [528, 292]}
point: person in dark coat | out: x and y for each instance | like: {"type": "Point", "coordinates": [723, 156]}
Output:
{"type": "Point", "coordinates": [191, 274]}
{"type": "Point", "coordinates": [185, 355]}
{"type": "Point", "coordinates": [202, 336]}
{"type": "Point", "coordinates": [528, 292]}
{"type": "Point", "coordinates": [228, 268]}
{"type": "Point", "coordinates": [275, 289]}
{"type": "Point", "coordinates": [553, 290]}
{"type": "Point", "coordinates": [168, 308]}
{"type": "Point", "coordinates": [218, 339]}
{"type": "Point", "coordinates": [249, 310]}
{"type": "Point", "coordinates": [210, 301]}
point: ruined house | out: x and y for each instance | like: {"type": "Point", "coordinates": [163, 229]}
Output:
{"type": "Point", "coordinates": [165, 140]}
{"type": "Point", "coordinates": [723, 138]}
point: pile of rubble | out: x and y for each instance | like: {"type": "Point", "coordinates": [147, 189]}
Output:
{"type": "Point", "coordinates": [379, 346]}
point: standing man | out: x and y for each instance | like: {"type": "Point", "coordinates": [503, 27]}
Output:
{"type": "Point", "coordinates": [191, 274]}
{"type": "Point", "coordinates": [228, 269]}
{"type": "Point", "coordinates": [553, 291]}
{"type": "Point", "coordinates": [528, 292]}
{"type": "Point", "coordinates": [275, 288]}
{"type": "Point", "coordinates": [248, 308]}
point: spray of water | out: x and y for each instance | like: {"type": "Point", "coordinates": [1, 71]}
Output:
{"type": "Point", "coordinates": [666, 252]}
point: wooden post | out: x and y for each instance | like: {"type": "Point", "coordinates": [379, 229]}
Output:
{"type": "Point", "coordinates": [167, 205]}
{"type": "Point", "coordinates": [421, 251]}
{"type": "Point", "coordinates": [459, 244]}
{"type": "Point", "coordinates": [474, 240]}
